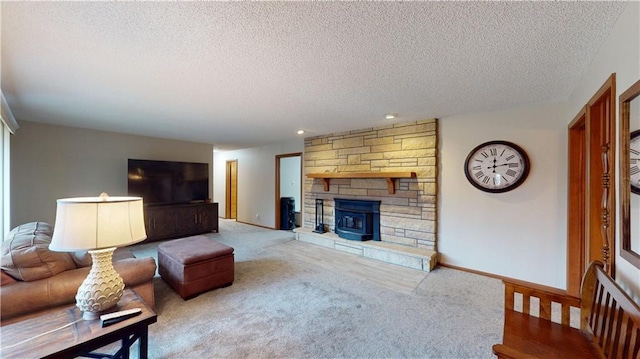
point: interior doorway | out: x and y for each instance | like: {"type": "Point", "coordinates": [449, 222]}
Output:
{"type": "Point", "coordinates": [231, 202]}
{"type": "Point", "coordinates": [591, 195]}
{"type": "Point", "coordinates": [288, 184]}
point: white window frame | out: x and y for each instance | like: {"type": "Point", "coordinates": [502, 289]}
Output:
{"type": "Point", "coordinates": [9, 127]}
{"type": "Point", "coordinates": [5, 181]}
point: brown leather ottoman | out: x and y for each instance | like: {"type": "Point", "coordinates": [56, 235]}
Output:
{"type": "Point", "coordinates": [194, 265]}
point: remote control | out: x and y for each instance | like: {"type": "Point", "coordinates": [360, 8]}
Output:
{"type": "Point", "coordinates": [116, 317]}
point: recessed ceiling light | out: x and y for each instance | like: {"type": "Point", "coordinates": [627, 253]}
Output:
{"type": "Point", "coordinates": [390, 116]}
{"type": "Point", "coordinates": [300, 132]}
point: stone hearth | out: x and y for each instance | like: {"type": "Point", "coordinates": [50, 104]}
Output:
{"type": "Point", "coordinates": [411, 257]}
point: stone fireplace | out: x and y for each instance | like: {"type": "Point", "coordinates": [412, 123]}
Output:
{"type": "Point", "coordinates": [407, 215]}
{"type": "Point", "coordinates": [357, 219]}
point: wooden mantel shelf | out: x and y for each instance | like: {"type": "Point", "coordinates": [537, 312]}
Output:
{"type": "Point", "coordinates": [390, 177]}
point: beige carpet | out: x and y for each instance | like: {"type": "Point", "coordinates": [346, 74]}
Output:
{"type": "Point", "coordinates": [281, 306]}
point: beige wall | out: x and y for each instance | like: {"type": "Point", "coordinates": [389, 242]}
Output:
{"type": "Point", "coordinates": [256, 181]}
{"type": "Point", "coordinates": [50, 162]}
{"type": "Point", "coordinates": [520, 233]}
{"type": "Point", "coordinates": [406, 217]}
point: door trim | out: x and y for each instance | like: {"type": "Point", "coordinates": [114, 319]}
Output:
{"type": "Point", "coordinates": [277, 205]}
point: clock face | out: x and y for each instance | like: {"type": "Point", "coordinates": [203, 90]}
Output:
{"type": "Point", "coordinates": [634, 159]}
{"type": "Point", "coordinates": [496, 166]}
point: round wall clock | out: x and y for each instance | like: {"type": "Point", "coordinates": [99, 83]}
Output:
{"type": "Point", "coordinates": [496, 166]}
{"type": "Point", "coordinates": [634, 159]}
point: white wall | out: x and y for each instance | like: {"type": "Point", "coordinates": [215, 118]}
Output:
{"type": "Point", "coordinates": [219, 179]}
{"type": "Point", "coordinates": [520, 233]}
{"type": "Point", "coordinates": [50, 162]}
{"type": "Point", "coordinates": [619, 54]}
{"type": "Point", "coordinates": [256, 180]}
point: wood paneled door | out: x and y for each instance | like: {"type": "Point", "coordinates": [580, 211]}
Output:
{"type": "Point", "coordinates": [231, 203]}
{"type": "Point", "coordinates": [591, 186]}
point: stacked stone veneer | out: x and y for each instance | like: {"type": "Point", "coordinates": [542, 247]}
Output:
{"type": "Point", "coordinates": [408, 216]}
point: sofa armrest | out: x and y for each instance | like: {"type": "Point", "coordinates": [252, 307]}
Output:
{"type": "Point", "coordinates": [138, 274]}
{"type": "Point", "coordinates": [135, 271]}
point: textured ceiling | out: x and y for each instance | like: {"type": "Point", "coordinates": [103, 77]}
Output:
{"type": "Point", "coordinates": [240, 74]}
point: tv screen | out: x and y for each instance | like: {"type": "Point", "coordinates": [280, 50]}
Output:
{"type": "Point", "coordinates": [164, 182]}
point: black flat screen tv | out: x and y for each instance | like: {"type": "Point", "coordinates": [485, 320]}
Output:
{"type": "Point", "coordinates": [165, 182]}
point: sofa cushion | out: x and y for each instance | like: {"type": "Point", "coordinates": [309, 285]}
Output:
{"type": "Point", "coordinates": [81, 258]}
{"type": "Point", "coordinates": [26, 255]}
{"type": "Point", "coordinates": [6, 279]}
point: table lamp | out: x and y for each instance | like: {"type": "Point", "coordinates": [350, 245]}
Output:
{"type": "Point", "coordinates": [99, 225]}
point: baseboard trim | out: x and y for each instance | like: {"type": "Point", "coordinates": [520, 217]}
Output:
{"type": "Point", "coordinates": [473, 271]}
{"type": "Point", "coordinates": [504, 278]}
{"type": "Point", "coordinates": [253, 224]}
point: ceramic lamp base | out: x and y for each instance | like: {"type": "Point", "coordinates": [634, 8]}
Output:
{"type": "Point", "coordinates": [103, 287]}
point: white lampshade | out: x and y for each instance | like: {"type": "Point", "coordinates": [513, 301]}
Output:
{"type": "Point", "coordinates": [87, 223]}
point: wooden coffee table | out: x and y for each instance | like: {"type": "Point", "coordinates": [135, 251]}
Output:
{"type": "Point", "coordinates": [61, 332]}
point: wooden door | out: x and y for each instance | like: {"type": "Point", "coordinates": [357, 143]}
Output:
{"type": "Point", "coordinates": [231, 207]}
{"type": "Point", "coordinates": [576, 236]}
{"type": "Point", "coordinates": [591, 195]}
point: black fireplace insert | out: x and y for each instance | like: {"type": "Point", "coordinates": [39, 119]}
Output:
{"type": "Point", "coordinates": [357, 219]}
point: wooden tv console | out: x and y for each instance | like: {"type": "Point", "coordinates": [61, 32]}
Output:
{"type": "Point", "coordinates": [180, 220]}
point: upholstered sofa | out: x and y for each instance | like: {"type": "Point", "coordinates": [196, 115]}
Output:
{"type": "Point", "coordinates": [34, 278]}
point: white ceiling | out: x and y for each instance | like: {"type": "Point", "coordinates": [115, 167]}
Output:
{"type": "Point", "coordinates": [240, 74]}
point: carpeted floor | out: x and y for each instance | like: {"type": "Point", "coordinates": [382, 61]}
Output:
{"type": "Point", "coordinates": [283, 307]}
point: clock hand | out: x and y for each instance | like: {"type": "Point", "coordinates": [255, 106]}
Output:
{"type": "Point", "coordinates": [495, 166]}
